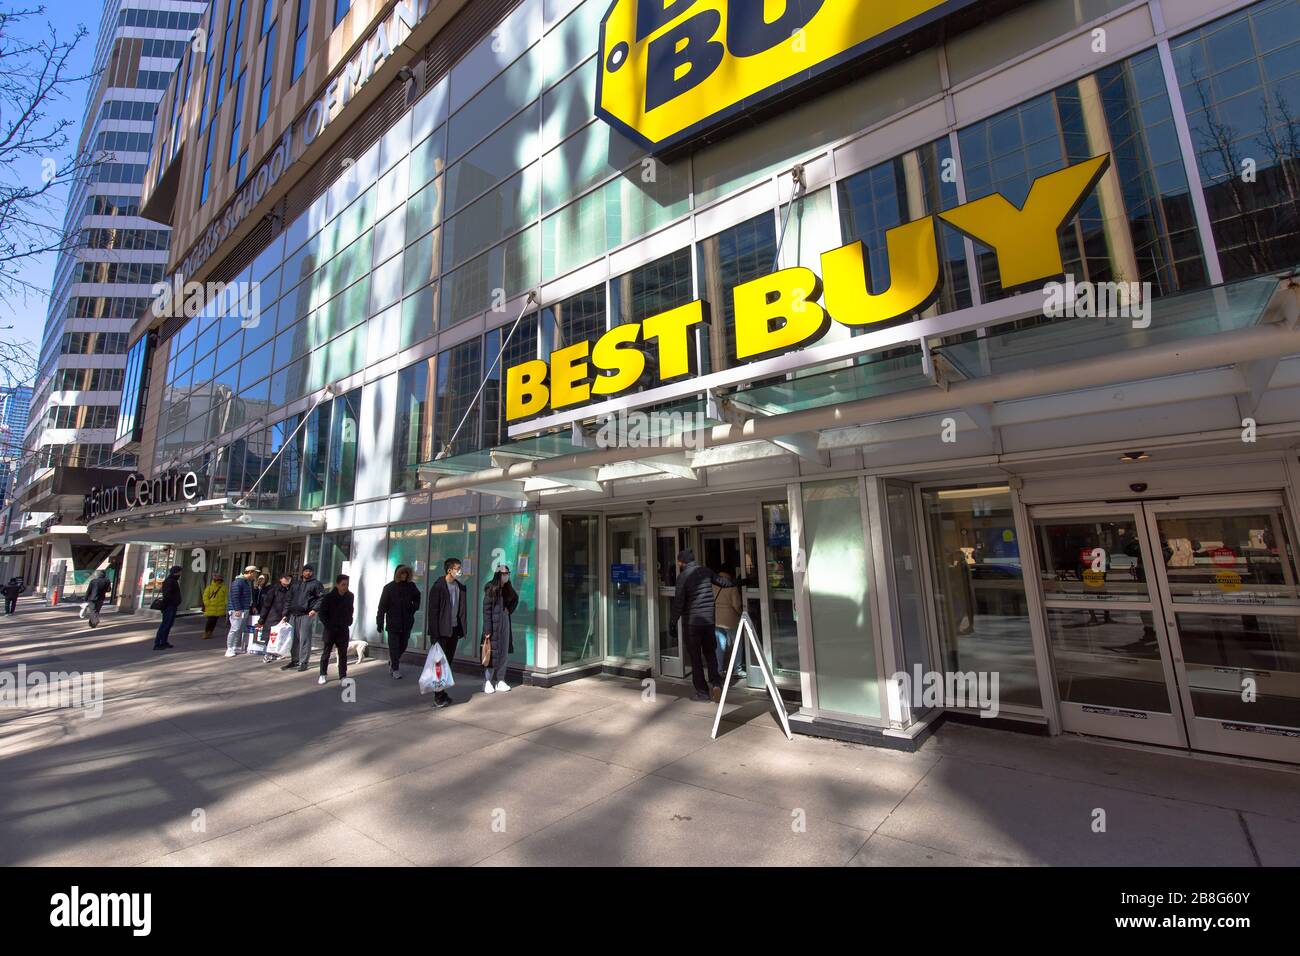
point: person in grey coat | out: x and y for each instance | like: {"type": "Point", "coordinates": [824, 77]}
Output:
{"type": "Point", "coordinates": [499, 602]}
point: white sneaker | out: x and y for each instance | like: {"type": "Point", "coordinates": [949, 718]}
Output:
{"type": "Point", "coordinates": [322, 679]}
{"type": "Point", "coordinates": [230, 652]}
{"type": "Point", "coordinates": [488, 688]}
{"type": "Point", "coordinates": [502, 686]}
{"type": "Point", "coordinates": [397, 675]}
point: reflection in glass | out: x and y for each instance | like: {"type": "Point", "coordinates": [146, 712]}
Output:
{"type": "Point", "coordinates": [979, 599]}
{"type": "Point", "coordinates": [1082, 558]}
{"type": "Point", "coordinates": [1108, 658]}
{"type": "Point", "coordinates": [784, 646]}
{"type": "Point", "coordinates": [1221, 651]}
{"type": "Point", "coordinates": [1229, 557]}
{"type": "Point", "coordinates": [579, 588]}
{"type": "Point", "coordinates": [628, 613]}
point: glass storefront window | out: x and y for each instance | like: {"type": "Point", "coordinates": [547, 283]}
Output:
{"type": "Point", "coordinates": [839, 585]}
{"type": "Point", "coordinates": [1229, 556]}
{"type": "Point", "coordinates": [458, 379]}
{"type": "Point", "coordinates": [628, 609]}
{"type": "Point", "coordinates": [520, 345]}
{"type": "Point", "coordinates": [510, 539]}
{"type": "Point", "coordinates": [979, 589]}
{"type": "Point", "coordinates": [458, 538]}
{"type": "Point", "coordinates": [780, 588]}
{"type": "Point", "coordinates": [413, 434]}
{"type": "Point", "coordinates": [343, 447]}
{"type": "Point", "coordinates": [1089, 671]}
{"type": "Point", "coordinates": [1138, 225]}
{"type": "Point", "coordinates": [902, 190]}
{"type": "Point", "coordinates": [408, 544]}
{"type": "Point", "coordinates": [580, 589]}
{"type": "Point", "coordinates": [1240, 83]}
{"type": "Point", "coordinates": [739, 254]}
{"type": "Point", "coordinates": [1097, 558]}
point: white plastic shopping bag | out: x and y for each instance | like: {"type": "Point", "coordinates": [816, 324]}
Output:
{"type": "Point", "coordinates": [85, 607]}
{"type": "Point", "coordinates": [436, 675]}
{"type": "Point", "coordinates": [281, 639]}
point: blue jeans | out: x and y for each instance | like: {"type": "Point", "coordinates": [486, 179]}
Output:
{"type": "Point", "coordinates": [165, 627]}
{"type": "Point", "coordinates": [724, 648]}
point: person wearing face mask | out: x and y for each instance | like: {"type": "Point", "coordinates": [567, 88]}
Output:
{"type": "Point", "coordinates": [499, 602]}
{"type": "Point", "coordinates": [448, 617]}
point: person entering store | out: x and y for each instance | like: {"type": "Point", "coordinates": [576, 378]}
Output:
{"type": "Point", "coordinates": [727, 608]}
{"type": "Point", "coordinates": [693, 605]}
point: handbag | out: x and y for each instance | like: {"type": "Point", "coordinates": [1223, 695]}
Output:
{"type": "Point", "coordinates": [485, 652]}
{"type": "Point", "coordinates": [157, 604]}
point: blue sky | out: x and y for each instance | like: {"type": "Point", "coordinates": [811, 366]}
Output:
{"type": "Point", "coordinates": [27, 313]}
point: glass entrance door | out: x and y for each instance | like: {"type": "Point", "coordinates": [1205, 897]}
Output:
{"type": "Point", "coordinates": [1231, 603]}
{"type": "Point", "coordinates": [1176, 622]}
{"type": "Point", "coordinates": [668, 541]}
{"type": "Point", "coordinates": [1110, 652]}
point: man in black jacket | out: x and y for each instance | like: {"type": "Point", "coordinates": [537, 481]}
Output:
{"type": "Point", "coordinates": [398, 602]}
{"type": "Point", "coordinates": [96, 593]}
{"type": "Point", "coordinates": [303, 600]}
{"type": "Point", "coordinates": [693, 605]}
{"type": "Point", "coordinates": [448, 616]}
{"type": "Point", "coordinates": [168, 602]}
{"type": "Point", "coordinates": [11, 591]}
{"type": "Point", "coordinates": [274, 609]}
{"type": "Point", "coordinates": [335, 612]}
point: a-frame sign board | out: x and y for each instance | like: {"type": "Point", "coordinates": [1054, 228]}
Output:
{"type": "Point", "coordinates": [746, 626]}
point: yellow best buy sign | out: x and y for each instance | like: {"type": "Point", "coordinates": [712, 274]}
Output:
{"type": "Point", "coordinates": [670, 69]}
{"type": "Point", "coordinates": [780, 312]}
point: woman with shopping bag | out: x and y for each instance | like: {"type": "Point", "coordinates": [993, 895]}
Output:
{"type": "Point", "coordinates": [499, 602]}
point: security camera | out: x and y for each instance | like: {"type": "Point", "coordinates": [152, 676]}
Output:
{"type": "Point", "coordinates": [699, 519]}
{"type": "Point", "coordinates": [1138, 487]}
{"type": "Point", "coordinates": [650, 503]}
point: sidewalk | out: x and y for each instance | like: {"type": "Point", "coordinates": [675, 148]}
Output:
{"type": "Point", "coordinates": [199, 760]}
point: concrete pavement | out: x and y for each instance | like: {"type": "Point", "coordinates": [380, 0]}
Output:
{"type": "Point", "coordinates": [200, 760]}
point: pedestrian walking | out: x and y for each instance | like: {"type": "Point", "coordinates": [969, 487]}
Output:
{"type": "Point", "coordinates": [693, 605]}
{"type": "Point", "coordinates": [499, 603]}
{"type": "Point", "coordinates": [167, 602]}
{"type": "Point", "coordinates": [11, 591]}
{"type": "Point", "coordinates": [96, 593]}
{"type": "Point", "coordinates": [216, 596]}
{"type": "Point", "coordinates": [728, 605]}
{"type": "Point", "coordinates": [448, 617]}
{"type": "Point", "coordinates": [398, 602]}
{"type": "Point", "coordinates": [274, 610]}
{"type": "Point", "coordinates": [335, 612]}
{"type": "Point", "coordinates": [303, 600]}
{"type": "Point", "coordinates": [239, 605]}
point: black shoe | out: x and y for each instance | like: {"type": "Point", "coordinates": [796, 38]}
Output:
{"type": "Point", "coordinates": [287, 665]}
{"type": "Point", "coordinates": [698, 696]}
{"type": "Point", "coordinates": [304, 666]}
{"type": "Point", "coordinates": [441, 700]}
{"type": "Point", "coordinates": [168, 646]}
{"type": "Point", "coordinates": [161, 647]}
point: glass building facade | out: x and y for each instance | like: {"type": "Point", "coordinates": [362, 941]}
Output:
{"type": "Point", "coordinates": [401, 289]}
